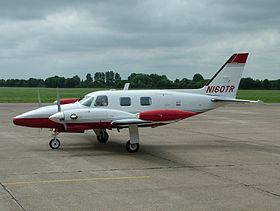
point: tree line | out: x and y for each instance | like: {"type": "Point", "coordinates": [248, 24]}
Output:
{"type": "Point", "coordinates": [111, 79]}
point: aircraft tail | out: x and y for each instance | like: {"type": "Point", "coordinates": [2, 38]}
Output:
{"type": "Point", "coordinates": [226, 81]}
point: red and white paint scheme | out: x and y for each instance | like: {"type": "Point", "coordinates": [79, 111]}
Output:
{"type": "Point", "coordinates": [132, 109]}
{"type": "Point", "coordinates": [68, 100]}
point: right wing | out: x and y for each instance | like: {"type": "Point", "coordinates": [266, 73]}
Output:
{"type": "Point", "coordinates": [123, 122]}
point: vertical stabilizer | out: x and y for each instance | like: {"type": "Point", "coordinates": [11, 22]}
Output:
{"type": "Point", "coordinates": [226, 81]}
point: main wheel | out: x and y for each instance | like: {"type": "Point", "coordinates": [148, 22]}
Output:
{"type": "Point", "coordinates": [132, 147]}
{"type": "Point", "coordinates": [54, 143]}
{"type": "Point", "coordinates": [103, 137]}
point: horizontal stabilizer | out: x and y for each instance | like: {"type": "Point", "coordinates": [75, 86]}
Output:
{"type": "Point", "coordinates": [235, 100]}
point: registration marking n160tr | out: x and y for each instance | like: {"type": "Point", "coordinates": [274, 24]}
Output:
{"type": "Point", "coordinates": [220, 89]}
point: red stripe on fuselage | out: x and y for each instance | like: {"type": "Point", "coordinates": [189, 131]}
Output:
{"type": "Point", "coordinates": [154, 115]}
{"type": "Point", "coordinates": [36, 122]}
{"type": "Point", "coordinates": [71, 127]}
{"type": "Point", "coordinates": [80, 127]}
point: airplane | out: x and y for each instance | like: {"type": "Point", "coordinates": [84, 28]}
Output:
{"type": "Point", "coordinates": [117, 109]}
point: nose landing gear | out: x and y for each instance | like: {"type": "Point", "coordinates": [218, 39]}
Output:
{"type": "Point", "coordinates": [54, 142]}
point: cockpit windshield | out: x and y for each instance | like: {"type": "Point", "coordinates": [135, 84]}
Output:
{"type": "Point", "coordinates": [86, 101]}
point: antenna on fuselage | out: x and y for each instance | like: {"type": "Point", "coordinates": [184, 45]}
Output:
{"type": "Point", "coordinates": [126, 86]}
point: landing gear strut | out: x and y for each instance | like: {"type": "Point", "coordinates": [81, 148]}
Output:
{"type": "Point", "coordinates": [54, 142]}
{"type": "Point", "coordinates": [102, 136]}
{"type": "Point", "coordinates": [132, 145]}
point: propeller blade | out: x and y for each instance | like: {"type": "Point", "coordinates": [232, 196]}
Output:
{"type": "Point", "coordinates": [59, 110]}
{"type": "Point", "coordinates": [39, 99]}
{"type": "Point", "coordinates": [58, 100]}
{"type": "Point", "coordinates": [65, 126]}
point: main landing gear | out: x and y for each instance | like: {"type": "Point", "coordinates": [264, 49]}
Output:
{"type": "Point", "coordinates": [132, 145]}
{"type": "Point", "coordinates": [101, 135]}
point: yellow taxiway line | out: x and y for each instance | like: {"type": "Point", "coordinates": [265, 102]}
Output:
{"type": "Point", "coordinates": [76, 180]}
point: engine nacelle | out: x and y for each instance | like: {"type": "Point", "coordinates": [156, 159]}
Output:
{"type": "Point", "coordinates": [67, 101]}
{"type": "Point", "coordinates": [165, 115]}
{"type": "Point", "coordinates": [78, 120]}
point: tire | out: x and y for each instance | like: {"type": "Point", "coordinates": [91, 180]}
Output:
{"type": "Point", "coordinates": [132, 148]}
{"type": "Point", "coordinates": [103, 137]}
{"type": "Point", "coordinates": [54, 143]}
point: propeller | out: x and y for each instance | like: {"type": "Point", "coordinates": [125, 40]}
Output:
{"type": "Point", "coordinates": [58, 100]}
{"type": "Point", "coordinates": [39, 105]}
{"type": "Point", "coordinates": [39, 99]}
{"type": "Point", "coordinates": [62, 119]}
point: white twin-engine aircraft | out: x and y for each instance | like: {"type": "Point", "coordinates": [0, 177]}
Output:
{"type": "Point", "coordinates": [102, 110]}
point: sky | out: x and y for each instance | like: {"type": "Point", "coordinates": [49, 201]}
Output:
{"type": "Point", "coordinates": [177, 38]}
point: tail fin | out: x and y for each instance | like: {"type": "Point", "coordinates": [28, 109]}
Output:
{"type": "Point", "coordinates": [226, 81]}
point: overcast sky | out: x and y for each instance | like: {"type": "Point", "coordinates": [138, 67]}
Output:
{"type": "Point", "coordinates": [43, 38]}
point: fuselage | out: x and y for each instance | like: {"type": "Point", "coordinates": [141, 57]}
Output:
{"type": "Point", "coordinates": [117, 104]}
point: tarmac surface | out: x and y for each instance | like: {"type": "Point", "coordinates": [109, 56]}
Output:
{"type": "Point", "coordinates": [226, 159]}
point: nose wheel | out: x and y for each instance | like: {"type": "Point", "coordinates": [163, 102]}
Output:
{"type": "Point", "coordinates": [54, 143]}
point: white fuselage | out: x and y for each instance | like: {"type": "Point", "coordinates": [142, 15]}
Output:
{"type": "Point", "coordinates": [160, 99]}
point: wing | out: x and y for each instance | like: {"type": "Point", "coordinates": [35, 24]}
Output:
{"type": "Point", "coordinates": [122, 122]}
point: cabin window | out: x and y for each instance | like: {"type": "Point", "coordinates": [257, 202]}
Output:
{"type": "Point", "coordinates": [125, 101]}
{"type": "Point", "coordinates": [145, 101]}
{"type": "Point", "coordinates": [101, 100]}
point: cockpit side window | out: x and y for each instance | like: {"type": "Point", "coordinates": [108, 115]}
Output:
{"type": "Point", "coordinates": [101, 100]}
{"type": "Point", "coordinates": [83, 99]}
{"type": "Point", "coordinates": [87, 101]}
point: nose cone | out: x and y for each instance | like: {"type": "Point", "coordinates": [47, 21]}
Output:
{"type": "Point", "coordinates": [22, 119]}
{"type": "Point", "coordinates": [25, 119]}
{"type": "Point", "coordinates": [57, 117]}
{"type": "Point", "coordinates": [18, 121]}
